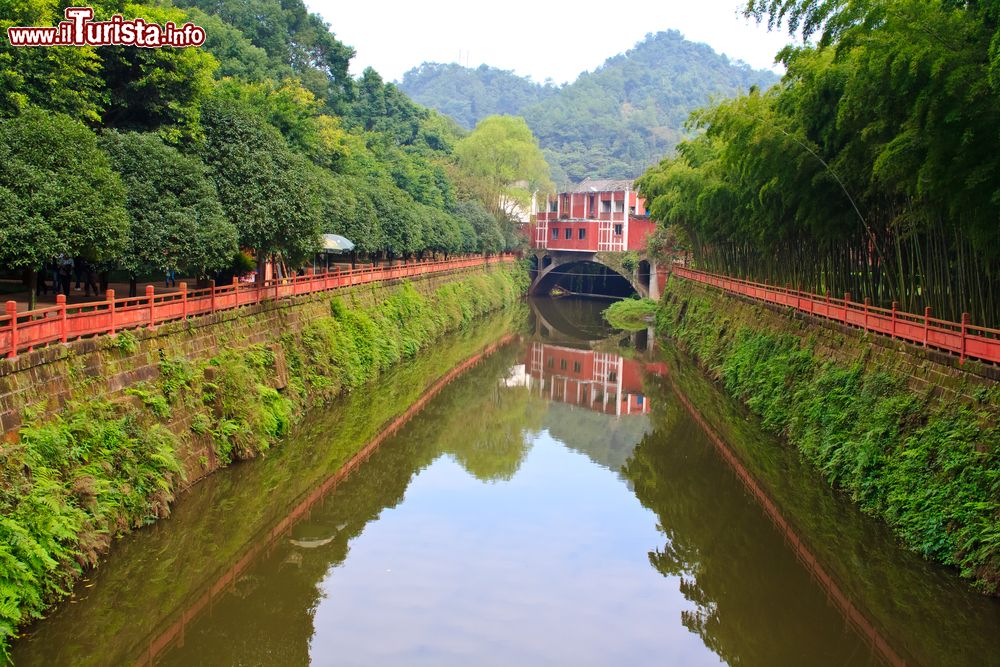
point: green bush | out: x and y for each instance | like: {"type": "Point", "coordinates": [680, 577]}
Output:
{"type": "Point", "coordinates": [631, 314]}
{"type": "Point", "coordinates": [69, 486]}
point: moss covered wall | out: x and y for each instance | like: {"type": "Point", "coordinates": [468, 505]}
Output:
{"type": "Point", "coordinates": [913, 440]}
{"type": "Point", "coordinates": [101, 434]}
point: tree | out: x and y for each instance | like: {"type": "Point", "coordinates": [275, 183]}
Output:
{"type": "Point", "coordinates": [502, 163]}
{"type": "Point", "coordinates": [61, 78]}
{"type": "Point", "coordinates": [265, 189]}
{"type": "Point", "coordinates": [489, 236]}
{"type": "Point", "coordinates": [176, 218]}
{"type": "Point", "coordinates": [58, 193]}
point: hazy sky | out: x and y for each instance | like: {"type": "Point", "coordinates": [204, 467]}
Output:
{"type": "Point", "coordinates": [533, 37]}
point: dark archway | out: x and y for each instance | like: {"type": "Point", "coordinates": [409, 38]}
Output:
{"type": "Point", "coordinates": [643, 273]}
{"type": "Point", "coordinates": [585, 278]}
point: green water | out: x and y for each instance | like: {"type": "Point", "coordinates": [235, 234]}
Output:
{"type": "Point", "coordinates": [568, 499]}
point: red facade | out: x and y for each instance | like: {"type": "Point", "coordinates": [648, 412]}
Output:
{"type": "Point", "coordinates": [589, 220]}
{"type": "Point", "coordinates": [589, 379]}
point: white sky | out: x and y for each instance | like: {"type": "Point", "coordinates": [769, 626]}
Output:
{"type": "Point", "coordinates": [534, 37]}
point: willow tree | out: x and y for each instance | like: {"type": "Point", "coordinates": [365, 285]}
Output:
{"type": "Point", "coordinates": [502, 164]}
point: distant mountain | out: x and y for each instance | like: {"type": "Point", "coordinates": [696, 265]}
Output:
{"type": "Point", "coordinates": [469, 95]}
{"type": "Point", "coordinates": [610, 123]}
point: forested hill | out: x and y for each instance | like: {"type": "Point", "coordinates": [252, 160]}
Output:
{"type": "Point", "coordinates": [470, 94]}
{"type": "Point", "coordinates": [612, 122]}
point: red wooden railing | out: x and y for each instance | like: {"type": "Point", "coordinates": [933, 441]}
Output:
{"type": "Point", "coordinates": [61, 323]}
{"type": "Point", "coordinates": [962, 338]}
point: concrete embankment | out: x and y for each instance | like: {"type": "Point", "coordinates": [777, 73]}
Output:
{"type": "Point", "coordinates": [910, 434]}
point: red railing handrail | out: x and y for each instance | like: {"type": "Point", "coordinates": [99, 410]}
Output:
{"type": "Point", "coordinates": [20, 331]}
{"type": "Point", "coordinates": [967, 340]}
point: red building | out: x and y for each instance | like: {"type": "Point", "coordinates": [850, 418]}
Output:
{"type": "Point", "coordinates": [593, 380]}
{"type": "Point", "coordinates": [597, 216]}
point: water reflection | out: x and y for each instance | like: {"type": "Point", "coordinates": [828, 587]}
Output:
{"type": "Point", "coordinates": [475, 527]}
{"type": "Point", "coordinates": [597, 381]}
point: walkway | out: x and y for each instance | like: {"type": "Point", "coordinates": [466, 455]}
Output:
{"type": "Point", "coordinates": [961, 338]}
{"type": "Point", "coordinates": [23, 331]}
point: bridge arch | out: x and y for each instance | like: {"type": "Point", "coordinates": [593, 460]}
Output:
{"type": "Point", "coordinates": [576, 273]}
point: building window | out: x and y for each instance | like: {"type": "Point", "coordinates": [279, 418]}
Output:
{"type": "Point", "coordinates": [619, 206]}
{"type": "Point", "coordinates": [555, 232]}
{"type": "Point", "coordinates": [552, 362]}
{"type": "Point", "coordinates": [562, 364]}
{"type": "Point", "coordinates": [590, 209]}
{"type": "Point", "coordinates": [612, 376]}
{"type": "Point", "coordinates": [605, 206]}
{"type": "Point", "coordinates": [553, 206]}
{"type": "Point", "coordinates": [631, 209]}
{"type": "Point", "coordinates": [618, 230]}
{"type": "Point", "coordinates": [576, 366]}
{"type": "Point", "coordinates": [583, 233]}
{"type": "Point", "coordinates": [569, 233]}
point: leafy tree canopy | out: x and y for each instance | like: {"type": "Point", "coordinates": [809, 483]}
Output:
{"type": "Point", "coordinates": [58, 192]}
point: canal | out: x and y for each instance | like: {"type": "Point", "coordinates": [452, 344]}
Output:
{"type": "Point", "coordinates": [537, 490]}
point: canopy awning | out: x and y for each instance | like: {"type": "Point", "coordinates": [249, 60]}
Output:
{"type": "Point", "coordinates": [336, 244]}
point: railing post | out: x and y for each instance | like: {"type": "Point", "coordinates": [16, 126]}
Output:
{"type": "Point", "coordinates": [12, 314]}
{"type": "Point", "coordinates": [966, 320]}
{"type": "Point", "coordinates": [236, 291]}
{"type": "Point", "coordinates": [211, 284]}
{"type": "Point", "coordinates": [893, 332]}
{"type": "Point", "coordinates": [184, 300]}
{"type": "Point", "coordinates": [109, 296]}
{"type": "Point", "coordinates": [61, 302]}
{"type": "Point", "coordinates": [151, 299]}
{"type": "Point", "coordinates": [927, 323]}
{"type": "Point", "coordinates": [868, 303]}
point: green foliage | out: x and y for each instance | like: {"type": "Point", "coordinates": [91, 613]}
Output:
{"type": "Point", "coordinates": [504, 161]}
{"type": "Point", "coordinates": [262, 184]}
{"type": "Point", "coordinates": [125, 341]}
{"type": "Point", "coordinates": [69, 486]}
{"type": "Point", "coordinates": [354, 345]}
{"type": "Point", "coordinates": [631, 314]}
{"type": "Point", "coordinates": [58, 193]}
{"type": "Point", "coordinates": [65, 79]}
{"type": "Point", "coordinates": [867, 171]}
{"type": "Point", "coordinates": [176, 219]}
{"type": "Point", "coordinates": [630, 261]}
{"type": "Point", "coordinates": [264, 122]}
{"type": "Point", "coordinates": [930, 468]}
{"type": "Point", "coordinates": [610, 123]}
{"type": "Point", "coordinates": [470, 95]}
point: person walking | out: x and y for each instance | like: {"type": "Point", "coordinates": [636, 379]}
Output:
{"type": "Point", "coordinates": [171, 278]}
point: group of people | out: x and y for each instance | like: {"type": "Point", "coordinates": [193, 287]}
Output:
{"type": "Point", "coordinates": [62, 271]}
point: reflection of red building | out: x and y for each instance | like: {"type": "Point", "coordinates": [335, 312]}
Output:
{"type": "Point", "coordinates": [598, 216]}
{"type": "Point", "coordinates": [597, 381]}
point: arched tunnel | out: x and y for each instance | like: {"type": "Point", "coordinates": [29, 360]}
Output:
{"type": "Point", "coordinates": [583, 277]}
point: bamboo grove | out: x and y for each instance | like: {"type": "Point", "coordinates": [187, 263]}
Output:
{"type": "Point", "coordinates": [872, 168]}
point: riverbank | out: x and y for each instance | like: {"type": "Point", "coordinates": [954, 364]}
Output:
{"type": "Point", "coordinates": [75, 478]}
{"type": "Point", "coordinates": [912, 441]}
